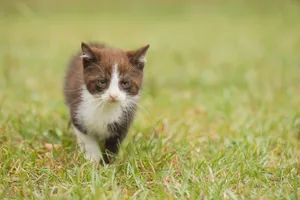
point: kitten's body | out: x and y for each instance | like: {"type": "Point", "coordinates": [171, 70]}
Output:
{"type": "Point", "coordinates": [101, 89]}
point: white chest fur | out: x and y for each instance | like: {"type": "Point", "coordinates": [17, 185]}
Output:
{"type": "Point", "coordinates": [96, 115]}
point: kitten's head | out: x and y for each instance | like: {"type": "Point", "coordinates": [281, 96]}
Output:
{"type": "Point", "coordinates": [113, 75]}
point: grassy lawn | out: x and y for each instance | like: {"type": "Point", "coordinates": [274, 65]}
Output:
{"type": "Point", "coordinates": [220, 116]}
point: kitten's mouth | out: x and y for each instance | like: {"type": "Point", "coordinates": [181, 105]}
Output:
{"type": "Point", "coordinates": [113, 101]}
{"type": "Point", "coordinates": [112, 105]}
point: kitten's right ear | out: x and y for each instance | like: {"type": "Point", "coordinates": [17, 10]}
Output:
{"type": "Point", "coordinates": [137, 57]}
{"type": "Point", "coordinates": [88, 55]}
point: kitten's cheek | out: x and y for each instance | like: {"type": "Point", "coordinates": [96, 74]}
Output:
{"type": "Point", "coordinates": [122, 97]}
{"type": "Point", "coordinates": [105, 97]}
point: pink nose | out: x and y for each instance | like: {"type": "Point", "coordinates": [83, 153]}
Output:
{"type": "Point", "coordinates": [113, 98]}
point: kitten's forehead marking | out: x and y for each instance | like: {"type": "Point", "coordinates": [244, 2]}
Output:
{"type": "Point", "coordinates": [115, 69]}
{"type": "Point", "coordinates": [114, 88]}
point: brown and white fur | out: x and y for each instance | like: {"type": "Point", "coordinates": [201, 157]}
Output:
{"type": "Point", "coordinates": [101, 90]}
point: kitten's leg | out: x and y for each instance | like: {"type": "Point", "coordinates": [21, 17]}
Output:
{"type": "Point", "coordinates": [118, 132]}
{"type": "Point", "coordinates": [111, 148]}
{"type": "Point", "coordinates": [90, 145]}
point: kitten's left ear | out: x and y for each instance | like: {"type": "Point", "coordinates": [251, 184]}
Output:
{"type": "Point", "coordinates": [88, 55]}
{"type": "Point", "coordinates": [137, 57]}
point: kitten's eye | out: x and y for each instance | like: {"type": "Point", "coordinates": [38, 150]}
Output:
{"type": "Point", "coordinates": [125, 84]}
{"type": "Point", "coordinates": [101, 83]}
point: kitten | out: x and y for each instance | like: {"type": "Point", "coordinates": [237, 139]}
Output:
{"type": "Point", "coordinates": [101, 90]}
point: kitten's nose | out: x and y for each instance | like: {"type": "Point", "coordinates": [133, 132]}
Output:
{"type": "Point", "coordinates": [113, 98]}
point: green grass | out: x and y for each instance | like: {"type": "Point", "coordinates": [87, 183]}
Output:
{"type": "Point", "coordinates": [221, 100]}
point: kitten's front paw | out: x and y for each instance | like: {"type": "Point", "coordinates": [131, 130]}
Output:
{"type": "Point", "coordinates": [108, 158]}
{"type": "Point", "coordinates": [102, 162]}
{"type": "Point", "coordinates": [91, 157]}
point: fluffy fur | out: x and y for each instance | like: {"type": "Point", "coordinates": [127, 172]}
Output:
{"type": "Point", "coordinates": [101, 90]}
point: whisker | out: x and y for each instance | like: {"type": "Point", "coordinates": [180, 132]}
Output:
{"type": "Point", "coordinates": [72, 90]}
{"type": "Point", "coordinates": [99, 68]}
{"type": "Point", "coordinates": [74, 101]}
{"type": "Point", "coordinates": [143, 109]}
{"type": "Point", "coordinates": [99, 104]}
{"type": "Point", "coordinates": [132, 105]}
{"type": "Point", "coordinates": [144, 93]}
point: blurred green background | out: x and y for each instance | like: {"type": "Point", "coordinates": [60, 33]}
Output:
{"type": "Point", "coordinates": [219, 73]}
{"type": "Point", "coordinates": [223, 56]}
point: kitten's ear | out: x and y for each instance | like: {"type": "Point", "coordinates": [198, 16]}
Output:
{"type": "Point", "coordinates": [87, 55]}
{"type": "Point", "coordinates": [137, 57]}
